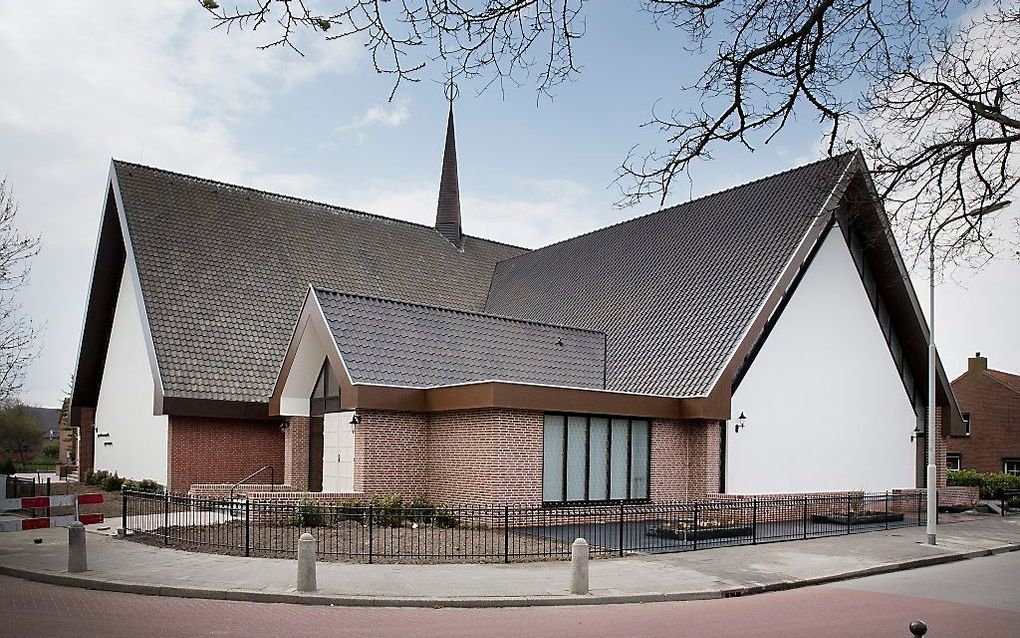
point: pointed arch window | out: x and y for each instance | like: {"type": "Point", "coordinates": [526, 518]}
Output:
{"type": "Point", "coordinates": [326, 393]}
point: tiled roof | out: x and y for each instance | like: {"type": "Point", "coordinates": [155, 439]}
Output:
{"type": "Point", "coordinates": [673, 290]}
{"type": "Point", "coordinates": [224, 271]}
{"type": "Point", "coordinates": [1011, 381]}
{"type": "Point", "coordinates": [395, 343]}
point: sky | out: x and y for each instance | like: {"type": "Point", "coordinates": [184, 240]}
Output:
{"type": "Point", "coordinates": [151, 82]}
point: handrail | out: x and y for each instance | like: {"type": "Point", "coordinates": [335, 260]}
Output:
{"type": "Point", "coordinates": [272, 480]}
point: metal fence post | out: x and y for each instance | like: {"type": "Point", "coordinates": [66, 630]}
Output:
{"type": "Point", "coordinates": [695, 525]}
{"type": "Point", "coordinates": [919, 509]}
{"type": "Point", "coordinates": [166, 519]}
{"type": "Point", "coordinates": [621, 529]}
{"type": "Point", "coordinates": [369, 533]}
{"type": "Point", "coordinates": [123, 512]}
{"type": "Point", "coordinates": [848, 512]}
{"type": "Point", "coordinates": [247, 525]}
{"type": "Point", "coordinates": [754, 520]}
{"type": "Point", "coordinates": [506, 533]}
{"type": "Point", "coordinates": [805, 517]}
{"type": "Point", "coordinates": [887, 509]}
{"type": "Point", "coordinates": [47, 494]}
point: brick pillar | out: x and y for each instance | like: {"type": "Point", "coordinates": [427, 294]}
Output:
{"type": "Point", "coordinates": [941, 470]}
{"type": "Point", "coordinates": [295, 469]}
{"type": "Point", "coordinates": [86, 442]}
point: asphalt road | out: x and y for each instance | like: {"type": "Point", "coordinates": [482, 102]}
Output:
{"type": "Point", "coordinates": [979, 598]}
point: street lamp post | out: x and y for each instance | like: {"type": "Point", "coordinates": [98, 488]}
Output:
{"type": "Point", "coordinates": [931, 475]}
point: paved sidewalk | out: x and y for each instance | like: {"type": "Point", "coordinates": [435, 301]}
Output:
{"type": "Point", "coordinates": [126, 566]}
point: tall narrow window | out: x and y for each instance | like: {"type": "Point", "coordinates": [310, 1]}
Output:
{"type": "Point", "coordinates": [554, 458]}
{"type": "Point", "coordinates": [326, 393]}
{"type": "Point", "coordinates": [594, 458]}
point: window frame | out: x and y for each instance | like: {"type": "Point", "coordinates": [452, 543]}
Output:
{"type": "Point", "coordinates": [587, 460]}
{"type": "Point", "coordinates": [958, 457]}
{"type": "Point", "coordinates": [325, 402]}
{"type": "Point", "coordinates": [1006, 461]}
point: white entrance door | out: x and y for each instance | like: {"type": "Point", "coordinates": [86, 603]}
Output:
{"type": "Point", "coordinates": [337, 452]}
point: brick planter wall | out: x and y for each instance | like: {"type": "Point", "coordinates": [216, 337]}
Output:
{"type": "Point", "coordinates": [204, 450]}
{"type": "Point", "coordinates": [222, 490]}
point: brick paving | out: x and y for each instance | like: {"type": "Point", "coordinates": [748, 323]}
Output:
{"type": "Point", "coordinates": [35, 609]}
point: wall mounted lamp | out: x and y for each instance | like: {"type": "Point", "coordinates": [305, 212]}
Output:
{"type": "Point", "coordinates": [107, 442]}
{"type": "Point", "coordinates": [916, 434]}
{"type": "Point", "coordinates": [739, 425]}
{"type": "Point", "coordinates": [355, 420]}
{"type": "Point", "coordinates": [102, 434]}
{"type": "Point", "coordinates": [284, 424]}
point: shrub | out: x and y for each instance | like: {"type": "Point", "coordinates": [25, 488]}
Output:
{"type": "Point", "coordinates": [421, 511]}
{"type": "Point", "coordinates": [144, 485]}
{"type": "Point", "coordinates": [350, 510]}
{"type": "Point", "coordinates": [308, 514]}
{"type": "Point", "coordinates": [991, 485]}
{"type": "Point", "coordinates": [390, 511]}
{"type": "Point", "coordinates": [7, 467]}
{"type": "Point", "coordinates": [111, 483]}
{"type": "Point", "coordinates": [96, 478]}
{"type": "Point", "coordinates": [51, 451]}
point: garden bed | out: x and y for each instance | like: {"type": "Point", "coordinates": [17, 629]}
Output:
{"type": "Point", "coordinates": [348, 541]}
{"type": "Point", "coordinates": [857, 518]}
{"type": "Point", "coordinates": [685, 530]}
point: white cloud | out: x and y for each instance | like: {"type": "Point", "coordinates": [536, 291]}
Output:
{"type": "Point", "coordinates": [141, 81]}
{"type": "Point", "coordinates": [390, 116]}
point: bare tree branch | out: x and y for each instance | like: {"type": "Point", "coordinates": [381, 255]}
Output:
{"type": "Point", "coordinates": [19, 337]}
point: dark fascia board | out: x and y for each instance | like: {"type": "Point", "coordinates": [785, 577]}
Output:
{"type": "Point", "coordinates": [312, 318]}
{"type": "Point", "coordinates": [722, 389]}
{"type": "Point", "coordinates": [216, 409]}
{"type": "Point", "coordinates": [890, 271]}
{"type": "Point", "coordinates": [522, 396]}
{"type": "Point", "coordinates": [113, 253]}
{"type": "Point", "coordinates": [107, 269]}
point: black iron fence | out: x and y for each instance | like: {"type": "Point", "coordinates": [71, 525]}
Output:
{"type": "Point", "coordinates": [396, 532]}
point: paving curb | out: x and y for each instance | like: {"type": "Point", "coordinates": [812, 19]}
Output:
{"type": "Point", "coordinates": [294, 597]}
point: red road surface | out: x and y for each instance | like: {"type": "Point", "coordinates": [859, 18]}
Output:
{"type": "Point", "coordinates": [34, 609]}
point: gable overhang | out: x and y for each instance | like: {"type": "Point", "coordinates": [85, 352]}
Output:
{"type": "Point", "coordinates": [853, 199]}
{"type": "Point", "coordinates": [112, 255]}
{"type": "Point", "coordinates": [311, 327]}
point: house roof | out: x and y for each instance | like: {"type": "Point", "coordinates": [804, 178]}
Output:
{"type": "Point", "coordinates": [224, 269]}
{"type": "Point", "coordinates": [1011, 381]}
{"type": "Point", "coordinates": [395, 343]}
{"type": "Point", "coordinates": [674, 290]}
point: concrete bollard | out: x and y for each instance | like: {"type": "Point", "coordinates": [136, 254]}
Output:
{"type": "Point", "coordinates": [77, 559]}
{"type": "Point", "coordinates": [306, 563]}
{"type": "Point", "coordinates": [579, 567]}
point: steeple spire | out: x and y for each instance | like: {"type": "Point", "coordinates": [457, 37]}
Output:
{"type": "Point", "coordinates": [448, 211]}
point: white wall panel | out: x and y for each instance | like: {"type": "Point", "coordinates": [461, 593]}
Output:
{"type": "Point", "coordinates": [825, 407]}
{"type": "Point", "coordinates": [125, 406]}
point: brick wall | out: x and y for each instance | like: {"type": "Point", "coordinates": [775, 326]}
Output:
{"type": "Point", "coordinates": [203, 450]}
{"type": "Point", "coordinates": [994, 420]}
{"type": "Point", "coordinates": [86, 442]}
{"type": "Point", "coordinates": [485, 456]}
{"type": "Point", "coordinates": [389, 453]}
{"type": "Point", "coordinates": [296, 452]}
{"type": "Point", "coordinates": [685, 459]}
{"type": "Point", "coordinates": [223, 490]}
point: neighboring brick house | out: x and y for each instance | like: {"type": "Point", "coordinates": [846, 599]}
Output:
{"type": "Point", "coordinates": [990, 401]}
{"type": "Point", "coordinates": [230, 329]}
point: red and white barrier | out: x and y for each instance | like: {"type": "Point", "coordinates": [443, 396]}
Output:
{"type": "Point", "coordinates": [64, 500]}
{"type": "Point", "coordinates": [20, 524]}
{"type": "Point", "coordinates": [33, 502]}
